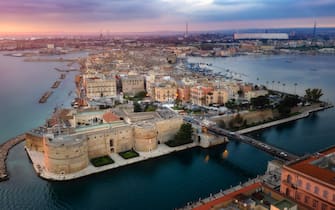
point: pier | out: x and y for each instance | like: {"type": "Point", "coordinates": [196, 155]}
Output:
{"type": "Point", "coordinates": [45, 97]}
{"type": "Point", "coordinates": [56, 84]}
{"type": "Point", "coordinates": [65, 70]}
{"type": "Point", "coordinates": [4, 149]}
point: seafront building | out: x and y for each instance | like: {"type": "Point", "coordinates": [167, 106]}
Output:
{"type": "Point", "coordinates": [311, 180]}
{"type": "Point", "coordinates": [73, 137]}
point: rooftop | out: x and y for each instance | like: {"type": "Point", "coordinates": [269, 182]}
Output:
{"type": "Point", "coordinates": [320, 165]}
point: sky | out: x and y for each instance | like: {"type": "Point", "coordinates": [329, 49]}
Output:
{"type": "Point", "coordinates": [96, 16]}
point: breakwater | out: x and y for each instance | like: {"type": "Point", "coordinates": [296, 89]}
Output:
{"type": "Point", "coordinates": [4, 149]}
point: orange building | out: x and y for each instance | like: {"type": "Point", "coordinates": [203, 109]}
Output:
{"type": "Point", "coordinates": [184, 94]}
{"type": "Point", "coordinates": [199, 93]}
{"type": "Point", "coordinates": [311, 180]}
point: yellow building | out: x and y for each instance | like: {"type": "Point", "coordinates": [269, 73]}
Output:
{"type": "Point", "coordinates": [165, 93]}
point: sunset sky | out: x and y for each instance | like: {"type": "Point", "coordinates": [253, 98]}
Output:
{"type": "Point", "coordinates": [92, 16]}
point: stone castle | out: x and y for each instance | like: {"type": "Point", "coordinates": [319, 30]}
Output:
{"type": "Point", "coordinates": [72, 137]}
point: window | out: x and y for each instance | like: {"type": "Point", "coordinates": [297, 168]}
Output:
{"type": "Point", "coordinates": [289, 178]}
{"type": "Point", "coordinates": [334, 197]}
{"type": "Point", "coordinates": [324, 206]}
{"type": "Point", "coordinates": [325, 194]}
{"type": "Point", "coordinates": [306, 200]}
{"type": "Point", "coordinates": [308, 186]}
{"type": "Point", "coordinates": [315, 203]}
{"type": "Point", "coordinates": [316, 190]}
{"type": "Point", "coordinates": [299, 182]}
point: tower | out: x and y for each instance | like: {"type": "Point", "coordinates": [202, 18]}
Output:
{"type": "Point", "coordinates": [314, 30]}
{"type": "Point", "coordinates": [186, 31]}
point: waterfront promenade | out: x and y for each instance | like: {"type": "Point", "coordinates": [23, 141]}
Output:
{"type": "Point", "coordinates": [282, 121]}
{"type": "Point", "coordinates": [4, 150]}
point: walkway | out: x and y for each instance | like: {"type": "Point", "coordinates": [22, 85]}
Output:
{"type": "Point", "coordinates": [4, 149]}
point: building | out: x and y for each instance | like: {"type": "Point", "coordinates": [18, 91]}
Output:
{"type": "Point", "coordinates": [238, 36]}
{"type": "Point", "coordinates": [255, 93]}
{"type": "Point", "coordinates": [217, 96]}
{"type": "Point", "coordinates": [199, 95]}
{"type": "Point", "coordinates": [311, 180]}
{"type": "Point", "coordinates": [165, 93]}
{"type": "Point", "coordinates": [132, 84]}
{"type": "Point", "coordinates": [98, 87]}
{"type": "Point", "coordinates": [72, 138]}
{"type": "Point", "coordinates": [255, 196]}
{"type": "Point", "coordinates": [183, 94]}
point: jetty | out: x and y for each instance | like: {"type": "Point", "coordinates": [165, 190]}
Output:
{"type": "Point", "coordinates": [65, 70]}
{"type": "Point", "coordinates": [56, 84]}
{"type": "Point", "coordinates": [49, 60]}
{"type": "Point", "coordinates": [4, 149]}
{"type": "Point", "coordinates": [45, 97]}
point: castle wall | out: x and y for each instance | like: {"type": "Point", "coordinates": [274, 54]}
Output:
{"type": "Point", "coordinates": [145, 136]}
{"type": "Point", "coordinates": [168, 128]}
{"type": "Point", "coordinates": [65, 158]}
{"type": "Point", "coordinates": [34, 142]}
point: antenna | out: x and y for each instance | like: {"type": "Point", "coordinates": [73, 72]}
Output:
{"type": "Point", "coordinates": [314, 30]}
{"type": "Point", "coordinates": [186, 30]}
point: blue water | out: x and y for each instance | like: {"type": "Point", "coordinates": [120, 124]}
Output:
{"type": "Point", "coordinates": [166, 182]}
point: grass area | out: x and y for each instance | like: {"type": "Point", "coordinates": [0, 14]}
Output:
{"type": "Point", "coordinates": [129, 154]}
{"type": "Point", "coordinates": [173, 143]}
{"type": "Point", "coordinates": [101, 161]}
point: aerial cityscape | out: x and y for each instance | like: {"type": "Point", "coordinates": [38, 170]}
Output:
{"type": "Point", "coordinates": [166, 104]}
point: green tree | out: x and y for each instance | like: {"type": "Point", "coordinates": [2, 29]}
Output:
{"type": "Point", "coordinates": [313, 94]}
{"type": "Point", "coordinates": [183, 136]}
{"type": "Point", "coordinates": [260, 102]}
{"type": "Point", "coordinates": [222, 124]}
{"type": "Point", "coordinates": [137, 107]}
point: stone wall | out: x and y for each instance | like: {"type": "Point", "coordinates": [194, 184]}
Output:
{"type": "Point", "coordinates": [168, 128]}
{"type": "Point", "coordinates": [34, 142]}
{"type": "Point", "coordinates": [65, 158]}
{"type": "Point", "coordinates": [145, 136]}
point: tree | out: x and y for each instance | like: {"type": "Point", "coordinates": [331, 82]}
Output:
{"type": "Point", "coordinates": [137, 107]}
{"type": "Point", "coordinates": [183, 136]}
{"type": "Point", "coordinates": [285, 105]}
{"type": "Point", "coordinates": [260, 102]}
{"type": "Point", "coordinates": [313, 94]}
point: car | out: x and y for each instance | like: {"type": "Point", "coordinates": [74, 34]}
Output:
{"type": "Point", "coordinates": [283, 154]}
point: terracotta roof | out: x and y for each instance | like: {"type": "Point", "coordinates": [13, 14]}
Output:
{"type": "Point", "coordinates": [228, 197]}
{"type": "Point", "coordinates": [306, 167]}
{"type": "Point", "coordinates": [110, 117]}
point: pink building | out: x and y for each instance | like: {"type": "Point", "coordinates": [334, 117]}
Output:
{"type": "Point", "coordinates": [311, 181]}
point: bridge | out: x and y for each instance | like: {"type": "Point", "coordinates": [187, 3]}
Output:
{"type": "Point", "coordinates": [272, 150]}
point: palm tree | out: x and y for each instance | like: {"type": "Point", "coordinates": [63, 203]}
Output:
{"type": "Point", "coordinates": [278, 85]}
{"type": "Point", "coordinates": [284, 87]}
{"type": "Point", "coordinates": [273, 82]}
{"type": "Point", "coordinates": [267, 83]}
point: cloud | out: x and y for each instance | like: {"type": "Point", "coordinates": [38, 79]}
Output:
{"type": "Point", "coordinates": [169, 12]}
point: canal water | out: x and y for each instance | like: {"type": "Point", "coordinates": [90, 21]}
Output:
{"type": "Point", "coordinates": [165, 182]}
